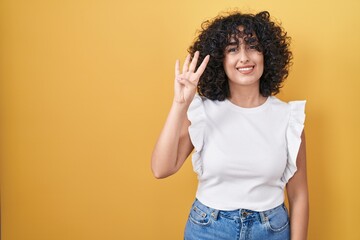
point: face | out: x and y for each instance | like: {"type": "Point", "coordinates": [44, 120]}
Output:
{"type": "Point", "coordinates": [243, 64]}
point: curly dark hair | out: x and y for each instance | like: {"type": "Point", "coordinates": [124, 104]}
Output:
{"type": "Point", "coordinates": [215, 35]}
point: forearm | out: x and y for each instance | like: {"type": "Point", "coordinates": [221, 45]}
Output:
{"type": "Point", "coordinates": [299, 217]}
{"type": "Point", "coordinates": [164, 156]}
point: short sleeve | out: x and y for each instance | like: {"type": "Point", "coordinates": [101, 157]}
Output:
{"type": "Point", "coordinates": [196, 115]}
{"type": "Point", "coordinates": [293, 136]}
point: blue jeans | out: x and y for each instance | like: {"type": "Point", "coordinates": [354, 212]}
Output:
{"type": "Point", "coordinates": [205, 223]}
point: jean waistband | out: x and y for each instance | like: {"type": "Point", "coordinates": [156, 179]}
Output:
{"type": "Point", "coordinates": [238, 213]}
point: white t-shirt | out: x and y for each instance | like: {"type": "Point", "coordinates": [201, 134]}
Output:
{"type": "Point", "coordinates": [244, 156]}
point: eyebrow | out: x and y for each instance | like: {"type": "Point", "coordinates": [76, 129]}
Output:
{"type": "Point", "coordinates": [232, 43]}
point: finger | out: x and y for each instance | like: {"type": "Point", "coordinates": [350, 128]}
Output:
{"type": "Point", "coordinates": [177, 67]}
{"type": "Point", "coordinates": [194, 62]}
{"type": "Point", "coordinates": [186, 63]}
{"type": "Point", "coordinates": [179, 77]}
{"type": "Point", "coordinates": [202, 66]}
{"type": "Point", "coordinates": [186, 82]}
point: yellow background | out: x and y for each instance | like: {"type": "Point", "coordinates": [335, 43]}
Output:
{"type": "Point", "coordinates": [86, 87]}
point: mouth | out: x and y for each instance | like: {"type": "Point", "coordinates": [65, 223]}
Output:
{"type": "Point", "coordinates": [245, 69]}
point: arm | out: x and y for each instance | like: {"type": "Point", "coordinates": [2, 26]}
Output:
{"type": "Point", "coordinates": [174, 144]}
{"type": "Point", "coordinates": [297, 191]}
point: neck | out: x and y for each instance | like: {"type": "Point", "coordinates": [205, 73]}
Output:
{"type": "Point", "coordinates": [246, 96]}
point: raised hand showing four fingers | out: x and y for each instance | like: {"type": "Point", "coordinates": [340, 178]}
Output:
{"type": "Point", "coordinates": [186, 82]}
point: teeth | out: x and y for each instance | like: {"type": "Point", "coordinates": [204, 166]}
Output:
{"type": "Point", "coordinates": [245, 69]}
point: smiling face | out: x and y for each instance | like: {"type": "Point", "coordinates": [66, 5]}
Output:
{"type": "Point", "coordinates": [243, 62]}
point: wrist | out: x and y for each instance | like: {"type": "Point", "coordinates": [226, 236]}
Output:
{"type": "Point", "coordinates": [181, 102]}
{"type": "Point", "coordinates": [180, 105]}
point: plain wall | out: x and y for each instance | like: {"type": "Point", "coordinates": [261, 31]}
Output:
{"type": "Point", "coordinates": [85, 90]}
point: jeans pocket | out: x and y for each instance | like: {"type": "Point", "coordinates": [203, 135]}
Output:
{"type": "Point", "coordinates": [277, 219]}
{"type": "Point", "coordinates": [199, 216]}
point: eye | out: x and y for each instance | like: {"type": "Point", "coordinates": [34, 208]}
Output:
{"type": "Point", "coordinates": [252, 47]}
{"type": "Point", "coordinates": [233, 49]}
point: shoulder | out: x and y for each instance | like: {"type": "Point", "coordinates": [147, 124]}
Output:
{"type": "Point", "coordinates": [278, 102]}
{"type": "Point", "coordinates": [279, 107]}
{"type": "Point", "coordinates": [290, 106]}
{"type": "Point", "coordinates": [206, 104]}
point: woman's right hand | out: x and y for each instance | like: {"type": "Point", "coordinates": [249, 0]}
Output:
{"type": "Point", "coordinates": [174, 144]}
{"type": "Point", "coordinates": [186, 82]}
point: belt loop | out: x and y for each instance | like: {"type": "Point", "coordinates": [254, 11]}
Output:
{"type": "Point", "coordinates": [214, 214]}
{"type": "Point", "coordinates": [263, 217]}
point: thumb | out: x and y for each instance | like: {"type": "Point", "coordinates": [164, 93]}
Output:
{"type": "Point", "coordinates": [186, 82]}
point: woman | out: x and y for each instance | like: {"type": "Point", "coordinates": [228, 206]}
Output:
{"type": "Point", "coordinates": [249, 145]}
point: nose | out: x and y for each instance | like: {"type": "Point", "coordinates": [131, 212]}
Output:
{"type": "Point", "coordinates": [243, 54]}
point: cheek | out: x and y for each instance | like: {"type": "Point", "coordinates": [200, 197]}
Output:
{"type": "Point", "coordinates": [227, 65]}
{"type": "Point", "coordinates": [260, 62]}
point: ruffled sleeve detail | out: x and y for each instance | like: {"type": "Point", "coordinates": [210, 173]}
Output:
{"type": "Point", "coordinates": [196, 115]}
{"type": "Point", "coordinates": [293, 136]}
